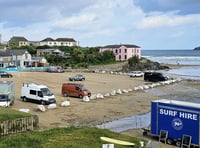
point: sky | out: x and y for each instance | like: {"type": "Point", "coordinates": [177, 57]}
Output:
{"type": "Point", "coordinates": [150, 24]}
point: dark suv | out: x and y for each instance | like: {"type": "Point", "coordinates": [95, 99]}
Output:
{"type": "Point", "coordinates": [4, 74]}
{"type": "Point", "coordinates": [154, 77]}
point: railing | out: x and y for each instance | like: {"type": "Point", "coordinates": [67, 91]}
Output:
{"type": "Point", "coordinates": [18, 125]}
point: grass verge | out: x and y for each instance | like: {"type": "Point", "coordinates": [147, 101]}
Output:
{"type": "Point", "coordinates": [10, 114]}
{"type": "Point", "coordinates": [71, 137]}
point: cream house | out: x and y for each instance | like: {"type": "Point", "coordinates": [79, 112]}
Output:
{"type": "Point", "coordinates": [58, 42]}
{"type": "Point", "coordinates": [18, 41]}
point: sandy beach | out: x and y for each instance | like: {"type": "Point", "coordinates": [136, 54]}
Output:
{"type": "Point", "coordinates": [98, 110]}
{"type": "Point", "coordinates": [79, 112]}
{"type": "Point", "coordinates": [95, 111]}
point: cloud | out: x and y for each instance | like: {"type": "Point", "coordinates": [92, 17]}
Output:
{"type": "Point", "coordinates": [98, 22]}
{"type": "Point", "coordinates": [165, 20]}
{"type": "Point", "coordinates": [183, 7]}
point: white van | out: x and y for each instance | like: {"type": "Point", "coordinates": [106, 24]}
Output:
{"type": "Point", "coordinates": [37, 93]}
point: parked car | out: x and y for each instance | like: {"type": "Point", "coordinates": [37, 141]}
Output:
{"type": "Point", "coordinates": [4, 74]}
{"type": "Point", "coordinates": [55, 69]}
{"type": "Point", "coordinates": [78, 77]}
{"type": "Point", "coordinates": [74, 89]}
{"type": "Point", "coordinates": [154, 77]}
{"type": "Point", "coordinates": [136, 74]}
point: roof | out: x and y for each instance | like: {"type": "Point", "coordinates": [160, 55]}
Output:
{"type": "Point", "coordinates": [118, 46]}
{"type": "Point", "coordinates": [37, 58]}
{"type": "Point", "coordinates": [19, 38]}
{"type": "Point", "coordinates": [59, 39]}
{"type": "Point", "coordinates": [47, 39]}
{"type": "Point", "coordinates": [13, 52]}
{"type": "Point", "coordinates": [65, 39]}
{"type": "Point", "coordinates": [180, 103]}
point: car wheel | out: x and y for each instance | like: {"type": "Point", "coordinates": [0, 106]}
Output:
{"type": "Point", "coordinates": [43, 102]}
{"type": "Point", "coordinates": [178, 143]}
{"type": "Point", "coordinates": [169, 141]}
{"type": "Point", "coordinates": [24, 99]}
{"type": "Point", "coordinates": [12, 102]}
{"type": "Point", "coordinates": [80, 96]}
{"type": "Point", "coordinates": [65, 94]}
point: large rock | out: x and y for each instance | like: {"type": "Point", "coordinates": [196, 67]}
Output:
{"type": "Point", "coordinates": [41, 108]}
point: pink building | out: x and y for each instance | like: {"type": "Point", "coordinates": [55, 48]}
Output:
{"type": "Point", "coordinates": [123, 52]}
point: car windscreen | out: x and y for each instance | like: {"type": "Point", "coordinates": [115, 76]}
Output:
{"type": "Point", "coordinates": [46, 92]}
{"type": "Point", "coordinates": [83, 88]}
{"type": "Point", "coordinates": [3, 98]}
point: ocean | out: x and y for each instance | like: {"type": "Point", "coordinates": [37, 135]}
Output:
{"type": "Point", "coordinates": [182, 57]}
{"type": "Point", "coordinates": [189, 59]}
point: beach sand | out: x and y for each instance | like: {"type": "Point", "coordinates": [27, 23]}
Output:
{"type": "Point", "coordinates": [95, 111]}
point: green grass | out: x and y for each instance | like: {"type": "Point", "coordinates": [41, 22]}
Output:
{"type": "Point", "coordinates": [10, 114]}
{"type": "Point", "coordinates": [72, 137]}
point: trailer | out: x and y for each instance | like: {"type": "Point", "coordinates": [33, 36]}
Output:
{"type": "Point", "coordinates": [176, 122]}
{"type": "Point", "coordinates": [7, 93]}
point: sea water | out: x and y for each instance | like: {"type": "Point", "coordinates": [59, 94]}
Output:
{"type": "Point", "coordinates": [191, 70]}
{"type": "Point", "coordinates": [182, 57]}
{"type": "Point", "coordinates": [189, 59]}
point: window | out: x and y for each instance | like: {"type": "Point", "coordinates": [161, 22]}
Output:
{"type": "Point", "coordinates": [77, 88]}
{"type": "Point", "coordinates": [120, 57]}
{"type": "Point", "coordinates": [40, 94]}
{"type": "Point", "coordinates": [116, 51]}
{"type": "Point", "coordinates": [125, 50]}
{"type": "Point", "coordinates": [125, 57]}
{"type": "Point", "coordinates": [119, 50]}
{"type": "Point", "coordinates": [32, 92]}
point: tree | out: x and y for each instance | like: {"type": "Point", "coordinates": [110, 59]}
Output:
{"type": "Point", "coordinates": [133, 61]}
{"type": "Point", "coordinates": [30, 49]}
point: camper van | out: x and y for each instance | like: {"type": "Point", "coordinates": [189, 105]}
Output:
{"type": "Point", "coordinates": [74, 89]}
{"type": "Point", "coordinates": [37, 93]}
{"type": "Point", "coordinates": [7, 93]}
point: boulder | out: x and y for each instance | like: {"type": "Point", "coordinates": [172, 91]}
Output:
{"type": "Point", "coordinates": [65, 103]}
{"type": "Point", "coordinates": [86, 99]}
{"type": "Point", "coordinates": [41, 108]}
{"type": "Point", "coordinates": [52, 106]}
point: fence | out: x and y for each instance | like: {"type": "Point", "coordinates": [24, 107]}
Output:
{"type": "Point", "coordinates": [18, 125]}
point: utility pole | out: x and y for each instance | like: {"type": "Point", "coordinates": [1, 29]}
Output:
{"type": "Point", "coordinates": [0, 38]}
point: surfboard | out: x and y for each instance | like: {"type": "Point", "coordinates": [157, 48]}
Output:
{"type": "Point", "coordinates": [116, 141]}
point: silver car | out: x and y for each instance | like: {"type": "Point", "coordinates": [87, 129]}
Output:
{"type": "Point", "coordinates": [136, 74]}
{"type": "Point", "coordinates": [78, 77]}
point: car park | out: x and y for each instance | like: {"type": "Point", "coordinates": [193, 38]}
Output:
{"type": "Point", "coordinates": [136, 74]}
{"type": "Point", "coordinates": [77, 77]}
{"type": "Point", "coordinates": [4, 74]}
